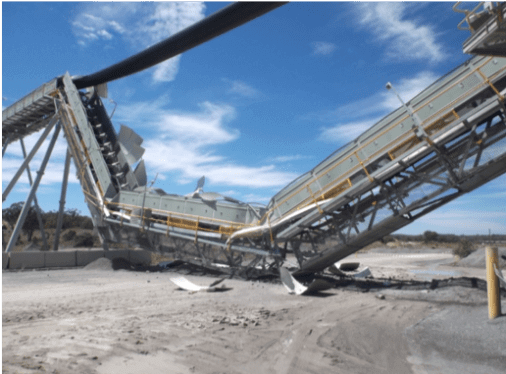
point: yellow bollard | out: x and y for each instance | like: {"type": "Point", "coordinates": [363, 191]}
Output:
{"type": "Point", "coordinates": [494, 301]}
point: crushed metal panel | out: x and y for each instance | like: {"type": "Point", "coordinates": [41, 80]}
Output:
{"type": "Point", "coordinates": [363, 274]}
{"type": "Point", "coordinates": [185, 284]}
{"type": "Point", "coordinates": [140, 174]}
{"type": "Point", "coordinates": [130, 143]}
{"type": "Point", "coordinates": [335, 270]}
{"type": "Point", "coordinates": [297, 288]}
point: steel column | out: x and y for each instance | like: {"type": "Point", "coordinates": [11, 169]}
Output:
{"type": "Point", "coordinates": [40, 173]}
{"type": "Point", "coordinates": [62, 201]}
{"type": "Point", "coordinates": [4, 148]}
{"type": "Point", "coordinates": [29, 158]}
{"type": "Point", "coordinates": [35, 202]}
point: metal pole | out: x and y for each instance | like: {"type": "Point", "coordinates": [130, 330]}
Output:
{"type": "Point", "coordinates": [35, 202]}
{"type": "Point", "coordinates": [62, 201]}
{"type": "Point", "coordinates": [40, 173]}
{"type": "Point", "coordinates": [29, 158]}
{"type": "Point", "coordinates": [5, 146]}
{"type": "Point", "coordinates": [494, 299]}
{"type": "Point", "coordinates": [412, 114]}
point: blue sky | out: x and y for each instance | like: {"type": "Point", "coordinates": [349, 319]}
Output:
{"type": "Point", "coordinates": [252, 109]}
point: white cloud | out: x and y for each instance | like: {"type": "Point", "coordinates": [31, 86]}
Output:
{"type": "Point", "coordinates": [323, 48]}
{"type": "Point", "coordinates": [206, 127]}
{"type": "Point", "coordinates": [13, 158]}
{"type": "Point", "coordinates": [343, 133]}
{"type": "Point", "coordinates": [167, 70]}
{"type": "Point", "coordinates": [358, 116]}
{"type": "Point", "coordinates": [139, 24]}
{"type": "Point", "coordinates": [408, 39]}
{"type": "Point", "coordinates": [288, 158]}
{"type": "Point", "coordinates": [241, 88]}
{"type": "Point", "coordinates": [116, 27]}
{"type": "Point", "coordinates": [183, 146]}
{"type": "Point", "coordinates": [104, 34]}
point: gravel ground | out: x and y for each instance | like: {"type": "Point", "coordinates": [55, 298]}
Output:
{"type": "Point", "coordinates": [100, 320]}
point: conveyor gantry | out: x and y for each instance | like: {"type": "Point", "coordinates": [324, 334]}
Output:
{"type": "Point", "coordinates": [487, 24]}
{"type": "Point", "coordinates": [448, 140]}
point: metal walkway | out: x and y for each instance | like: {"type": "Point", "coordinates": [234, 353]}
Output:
{"type": "Point", "coordinates": [448, 140]}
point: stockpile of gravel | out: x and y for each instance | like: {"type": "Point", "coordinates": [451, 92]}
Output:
{"type": "Point", "coordinates": [477, 259]}
{"type": "Point", "coordinates": [103, 263]}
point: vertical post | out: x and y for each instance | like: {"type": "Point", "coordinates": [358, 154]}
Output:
{"type": "Point", "coordinates": [40, 173]}
{"type": "Point", "coordinates": [35, 202]}
{"type": "Point", "coordinates": [494, 300]}
{"type": "Point", "coordinates": [62, 201]}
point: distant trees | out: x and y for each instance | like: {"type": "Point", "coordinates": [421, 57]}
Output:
{"type": "Point", "coordinates": [430, 236]}
{"type": "Point", "coordinates": [12, 213]}
{"type": "Point", "coordinates": [72, 218]}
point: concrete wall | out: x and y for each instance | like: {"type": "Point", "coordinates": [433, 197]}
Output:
{"type": "Point", "coordinates": [60, 259]}
{"type": "Point", "coordinates": [140, 257]}
{"type": "Point", "coordinates": [5, 260]}
{"type": "Point", "coordinates": [117, 253]}
{"type": "Point", "coordinates": [83, 258]}
{"type": "Point", "coordinates": [26, 260]}
{"type": "Point", "coordinates": [34, 260]}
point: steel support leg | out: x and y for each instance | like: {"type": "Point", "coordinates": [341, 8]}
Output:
{"type": "Point", "coordinates": [29, 158]}
{"type": "Point", "coordinates": [35, 202]}
{"type": "Point", "coordinates": [40, 173]}
{"type": "Point", "coordinates": [62, 202]}
{"type": "Point", "coordinates": [4, 148]}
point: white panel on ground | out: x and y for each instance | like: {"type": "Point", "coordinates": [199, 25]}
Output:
{"type": "Point", "coordinates": [185, 284]}
{"type": "Point", "coordinates": [334, 269]}
{"type": "Point", "coordinates": [297, 288]}
{"type": "Point", "coordinates": [363, 274]}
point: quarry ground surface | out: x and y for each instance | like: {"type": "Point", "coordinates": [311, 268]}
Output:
{"type": "Point", "coordinates": [105, 321]}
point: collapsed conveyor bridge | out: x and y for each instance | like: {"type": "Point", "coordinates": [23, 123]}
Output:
{"type": "Point", "coordinates": [448, 140]}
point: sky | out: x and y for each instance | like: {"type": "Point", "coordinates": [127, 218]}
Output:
{"type": "Point", "coordinates": [252, 109]}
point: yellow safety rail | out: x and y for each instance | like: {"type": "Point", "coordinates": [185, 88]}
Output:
{"type": "Point", "coordinates": [183, 220]}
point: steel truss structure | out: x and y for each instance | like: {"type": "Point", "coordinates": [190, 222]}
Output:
{"type": "Point", "coordinates": [448, 140]}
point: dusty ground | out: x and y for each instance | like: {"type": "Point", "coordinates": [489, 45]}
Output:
{"type": "Point", "coordinates": [106, 321]}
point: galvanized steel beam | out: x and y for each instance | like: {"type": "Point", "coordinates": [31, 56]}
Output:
{"type": "Point", "coordinates": [63, 195]}
{"type": "Point", "coordinates": [24, 211]}
{"type": "Point", "coordinates": [35, 202]}
{"type": "Point", "coordinates": [27, 160]}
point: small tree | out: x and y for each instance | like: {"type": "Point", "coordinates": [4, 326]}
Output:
{"type": "Point", "coordinates": [430, 236]}
{"type": "Point", "coordinates": [69, 235]}
{"type": "Point", "coordinates": [84, 240]}
{"type": "Point", "coordinates": [464, 248]}
{"type": "Point", "coordinates": [12, 213]}
{"type": "Point", "coordinates": [31, 223]}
